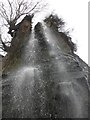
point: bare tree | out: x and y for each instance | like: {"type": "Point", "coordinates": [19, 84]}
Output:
{"type": "Point", "coordinates": [12, 13]}
{"type": "Point", "coordinates": [17, 9]}
{"type": "Point", "coordinates": [3, 45]}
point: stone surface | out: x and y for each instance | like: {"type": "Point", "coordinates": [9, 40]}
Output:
{"type": "Point", "coordinates": [47, 79]}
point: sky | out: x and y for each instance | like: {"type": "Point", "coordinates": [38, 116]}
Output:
{"type": "Point", "coordinates": [75, 15]}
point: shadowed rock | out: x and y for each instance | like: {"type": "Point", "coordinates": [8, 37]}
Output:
{"type": "Point", "coordinates": [42, 78]}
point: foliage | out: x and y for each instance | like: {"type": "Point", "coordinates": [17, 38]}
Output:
{"type": "Point", "coordinates": [57, 24]}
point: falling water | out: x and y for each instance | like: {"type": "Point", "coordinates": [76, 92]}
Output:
{"type": "Point", "coordinates": [70, 87]}
{"type": "Point", "coordinates": [43, 86]}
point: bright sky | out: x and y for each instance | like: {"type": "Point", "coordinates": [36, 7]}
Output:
{"type": "Point", "coordinates": [75, 14]}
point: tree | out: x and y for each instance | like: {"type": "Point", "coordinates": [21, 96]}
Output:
{"type": "Point", "coordinates": [18, 9]}
{"type": "Point", "coordinates": [15, 11]}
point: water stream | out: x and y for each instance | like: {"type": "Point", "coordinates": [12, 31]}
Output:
{"type": "Point", "coordinates": [44, 86]}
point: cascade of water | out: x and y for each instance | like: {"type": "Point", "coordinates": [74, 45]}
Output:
{"type": "Point", "coordinates": [45, 85]}
{"type": "Point", "coordinates": [20, 84]}
{"type": "Point", "coordinates": [68, 79]}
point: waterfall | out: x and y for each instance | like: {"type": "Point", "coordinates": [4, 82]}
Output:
{"type": "Point", "coordinates": [67, 80]}
{"type": "Point", "coordinates": [47, 84]}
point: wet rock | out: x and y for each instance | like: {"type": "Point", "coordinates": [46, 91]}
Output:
{"type": "Point", "coordinates": [47, 81]}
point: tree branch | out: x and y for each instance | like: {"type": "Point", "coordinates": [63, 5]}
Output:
{"type": "Point", "coordinates": [5, 48]}
{"type": "Point", "coordinates": [18, 9]}
{"type": "Point", "coordinates": [11, 9]}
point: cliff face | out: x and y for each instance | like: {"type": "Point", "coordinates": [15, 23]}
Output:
{"type": "Point", "coordinates": [42, 77]}
{"type": "Point", "coordinates": [19, 41]}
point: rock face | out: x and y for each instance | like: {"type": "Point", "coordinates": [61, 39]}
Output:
{"type": "Point", "coordinates": [43, 78]}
